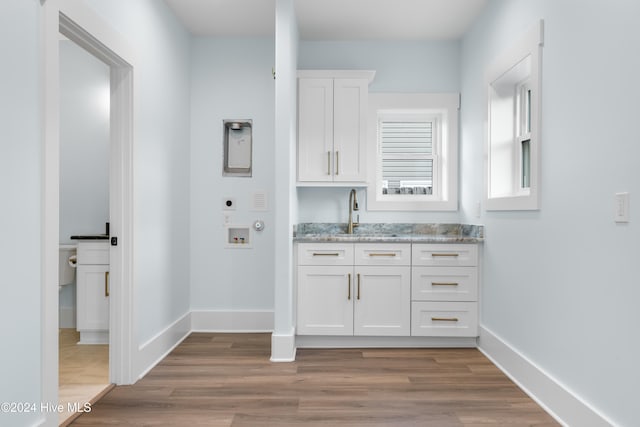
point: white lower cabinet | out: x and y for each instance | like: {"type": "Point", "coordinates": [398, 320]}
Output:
{"type": "Point", "coordinates": [387, 289]}
{"type": "Point", "coordinates": [341, 298]}
{"type": "Point", "coordinates": [444, 290]}
{"type": "Point", "coordinates": [92, 292]}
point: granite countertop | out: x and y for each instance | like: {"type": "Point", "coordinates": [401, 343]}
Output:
{"type": "Point", "coordinates": [389, 232]}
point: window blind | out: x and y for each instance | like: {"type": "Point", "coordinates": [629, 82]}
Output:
{"type": "Point", "coordinates": [407, 156]}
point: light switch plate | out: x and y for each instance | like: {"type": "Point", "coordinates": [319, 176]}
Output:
{"type": "Point", "coordinates": [621, 207]}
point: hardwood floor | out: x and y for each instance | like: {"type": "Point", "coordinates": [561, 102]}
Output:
{"type": "Point", "coordinates": [83, 372]}
{"type": "Point", "coordinates": [227, 380]}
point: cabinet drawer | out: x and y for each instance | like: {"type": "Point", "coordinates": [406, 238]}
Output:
{"type": "Point", "coordinates": [382, 254]}
{"type": "Point", "coordinates": [439, 319]}
{"type": "Point", "coordinates": [448, 255]}
{"type": "Point", "coordinates": [93, 253]}
{"type": "Point", "coordinates": [325, 254]}
{"type": "Point", "coordinates": [444, 284]}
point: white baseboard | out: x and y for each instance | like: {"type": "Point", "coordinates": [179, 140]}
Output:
{"type": "Point", "coordinates": [283, 347]}
{"type": "Point", "coordinates": [67, 317]}
{"type": "Point", "coordinates": [158, 347]}
{"type": "Point", "coordinates": [560, 402]}
{"type": "Point", "coordinates": [232, 321]}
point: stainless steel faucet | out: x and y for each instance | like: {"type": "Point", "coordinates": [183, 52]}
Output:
{"type": "Point", "coordinates": [353, 206]}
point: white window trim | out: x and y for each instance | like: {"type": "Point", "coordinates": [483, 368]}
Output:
{"type": "Point", "coordinates": [445, 106]}
{"type": "Point", "coordinates": [521, 198]}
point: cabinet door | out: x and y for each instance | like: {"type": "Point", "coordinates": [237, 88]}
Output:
{"type": "Point", "coordinates": [92, 299]}
{"type": "Point", "coordinates": [382, 303]}
{"type": "Point", "coordinates": [349, 129]}
{"type": "Point", "coordinates": [325, 300]}
{"type": "Point", "coordinates": [315, 130]}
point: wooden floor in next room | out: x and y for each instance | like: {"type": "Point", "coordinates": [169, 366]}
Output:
{"type": "Point", "coordinates": [228, 380]}
{"type": "Point", "coordinates": [83, 373]}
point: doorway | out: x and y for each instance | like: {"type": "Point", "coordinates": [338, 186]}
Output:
{"type": "Point", "coordinates": [80, 25]}
{"type": "Point", "coordinates": [84, 212]}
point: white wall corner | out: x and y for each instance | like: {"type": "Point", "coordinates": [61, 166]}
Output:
{"type": "Point", "coordinates": [157, 348]}
{"type": "Point", "coordinates": [560, 402]}
{"type": "Point", "coordinates": [232, 321]}
{"type": "Point", "coordinates": [283, 347]}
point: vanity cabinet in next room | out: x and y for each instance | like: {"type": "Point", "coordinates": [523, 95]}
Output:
{"type": "Point", "coordinates": [92, 292]}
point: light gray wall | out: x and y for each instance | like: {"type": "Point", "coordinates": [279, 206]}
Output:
{"type": "Point", "coordinates": [161, 159]}
{"type": "Point", "coordinates": [231, 79]}
{"type": "Point", "coordinates": [20, 187]}
{"type": "Point", "coordinates": [400, 67]}
{"type": "Point", "coordinates": [84, 142]}
{"type": "Point", "coordinates": [560, 284]}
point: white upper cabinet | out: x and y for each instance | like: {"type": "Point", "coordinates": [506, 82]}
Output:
{"type": "Point", "coordinates": [332, 113]}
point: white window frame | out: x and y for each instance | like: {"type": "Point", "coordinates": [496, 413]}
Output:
{"type": "Point", "coordinates": [442, 107]}
{"type": "Point", "coordinates": [504, 179]}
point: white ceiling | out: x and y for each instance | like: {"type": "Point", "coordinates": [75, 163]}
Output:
{"type": "Point", "coordinates": [333, 19]}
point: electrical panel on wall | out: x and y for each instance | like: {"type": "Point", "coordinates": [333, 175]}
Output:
{"type": "Point", "coordinates": [237, 146]}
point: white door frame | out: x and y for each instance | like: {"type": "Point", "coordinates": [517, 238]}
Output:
{"type": "Point", "coordinates": [80, 24]}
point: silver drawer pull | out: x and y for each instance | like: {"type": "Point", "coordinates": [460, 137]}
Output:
{"type": "Point", "coordinates": [444, 284]}
{"type": "Point", "coordinates": [382, 254]}
{"type": "Point", "coordinates": [444, 319]}
{"type": "Point", "coordinates": [326, 254]}
{"type": "Point", "coordinates": [446, 255]}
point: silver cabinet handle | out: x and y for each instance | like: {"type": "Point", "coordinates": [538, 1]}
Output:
{"type": "Point", "coordinates": [444, 319]}
{"type": "Point", "coordinates": [383, 254]}
{"type": "Point", "coordinates": [337, 165]}
{"type": "Point", "coordinates": [358, 286]}
{"type": "Point", "coordinates": [452, 255]}
{"type": "Point", "coordinates": [444, 284]}
{"type": "Point", "coordinates": [326, 254]}
{"type": "Point", "coordinates": [328, 162]}
{"type": "Point", "coordinates": [106, 283]}
{"type": "Point", "coordinates": [349, 286]}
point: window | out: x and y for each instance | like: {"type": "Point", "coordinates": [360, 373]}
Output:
{"type": "Point", "coordinates": [408, 153]}
{"type": "Point", "coordinates": [412, 151]}
{"type": "Point", "coordinates": [513, 138]}
{"type": "Point", "coordinates": [523, 134]}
